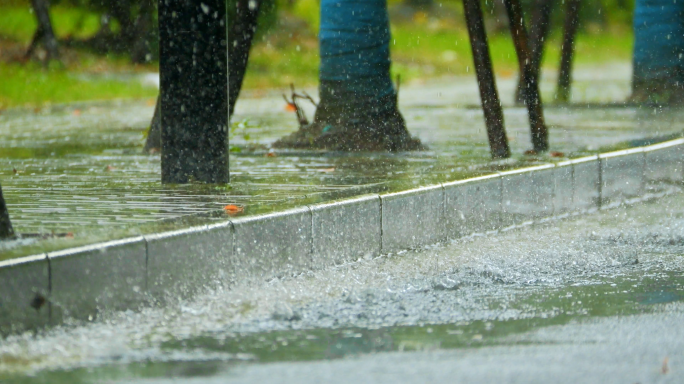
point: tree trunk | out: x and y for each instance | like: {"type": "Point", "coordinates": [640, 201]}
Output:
{"type": "Point", "coordinates": [240, 38]}
{"type": "Point", "coordinates": [153, 142]}
{"type": "Point", "coordinates": [539, 31]}
{"type": "Point", "coordinates": [358, 108]}
{"type": "Point", "coordinates": [658, 59]}
{"type": "Point", "coordinates": [193, 68]}
{"type": "Point", "coordinates": [491, 105]}
{"type": "Point", "coordinates": [6, 230]}
{"type": "Point", "coordinates": [44, 33]}
{"type": "Point", "coordinates": [530, 79]}
{"type": "Point", "coordinates": [567, 50]}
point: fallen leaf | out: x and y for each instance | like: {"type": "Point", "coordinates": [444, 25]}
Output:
{"type": "Point", "coordinates": [14, 170]}
{"type": "Point", "coordinates": [327, 170]}
{"type": "Point", "coordinates": [76, 112]}
{"type": "Point", "coordinates": [233, 209]}
{"type": "Point", "coordinates": [665, 368]}
{"type": "Point", "coordinates": [557, 154]}
{"type": "Point", "coordinates": [151, 102]}
{"type": "Point", "coordinates": [506, 73]}
{"type": "Point", "coordinates": [290, 107]}
{"type": "Point", "coordinates": [271, 154]}
{"type": "Point", "coordinates": [109, 168]}
{"type": "Point", "coordinates": [530, 152]}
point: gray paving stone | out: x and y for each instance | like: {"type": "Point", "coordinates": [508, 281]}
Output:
{"type": "Point", "coordinates": [527, 194]}
{"type": "Point", "coordinates": [563, 189]}
{"type": "Point", "coordinates": [472, 206]}
{"type": "Point", "coordinates": [182, 262]}
{"type": "Point", "coordinates": [86, 280]}
{"type": "Point", "coordinates": [664, 165]}
{"type": "Point", "coordinates": [586, 180]}
{"type": "Point", "coordinates": [413, 218]}
{"type": "Point", "coordinates": [22, 281]}
{"type": "Point", "coordinates": [622, 176]}
{"type": "Point", "coordinates": [346, 230]}
{"type": "Point", "coordinates": [273, 245]}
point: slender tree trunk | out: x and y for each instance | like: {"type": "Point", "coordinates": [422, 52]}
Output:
{"type": "Point", "coordinates": [141, 30]}
{"type": "Point", "coordinates": [539, 31]}
{"type": "Point", "coordinates": [240, 36]}
{"type": "Point", "coordinates": [153, 141]}
{"type": "Point", "coordinates": [567, 50]}
{"type": "Point", "coordinates": [530, 79]}
{"type": "Point", "coordinates": [498, 17]}
{"type": "Point", "coordinates": [491, 104]}
{"type": "Point", "coordinates": [6, 230]}
{"type": "Point", "coordinates": [44, 33]}
{"type": "Point", "coordinates": [520, 41]}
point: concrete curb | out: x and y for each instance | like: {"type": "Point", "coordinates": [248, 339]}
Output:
{"type": "Point", "coordinates": [125, 274]}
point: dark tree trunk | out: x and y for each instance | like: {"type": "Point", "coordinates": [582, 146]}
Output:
{"type": "Point", "coordinates": [520, 41]}
{"type": "Point", "coordinates": [44, 33]}
{"type": "Point", "coordinates": [153, 142]}
{"type": "Point", "coordinates": [240, 37]}
{"type": "Point", "coordinates": [530, 79]}
{"type": "Point", "coordinates": [140, 34]}
{"type": "Point", "coordinates": [499, 21]}
{"type": "Point", "coordinates": [567, 50]}
{"type": "Point", "coordinates": [539, 31]}
{"type": "Point", "coordinates": [491, 104]}
{"type": "Point", "coordinates": [6, 231]}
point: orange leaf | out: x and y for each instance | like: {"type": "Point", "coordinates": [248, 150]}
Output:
{"type": "Point", "coordinates": [290, 107]}
{"type": "Point", "coordinates": [76, 112]}
{"type": "Point", "coordinates": [557, 154]}
{"type": "Point", "coordinates": [233, 209]}
{"type": "Point", "coordinates": [271, 154]}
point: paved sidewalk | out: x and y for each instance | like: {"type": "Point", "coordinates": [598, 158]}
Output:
{"type": "Point", "coordinates": [79, 168]}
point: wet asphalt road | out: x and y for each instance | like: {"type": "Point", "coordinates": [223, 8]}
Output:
{"type": "Point", "coordinates": [635, 349]}
{"type": "Point", "coordinates": [594, 298]}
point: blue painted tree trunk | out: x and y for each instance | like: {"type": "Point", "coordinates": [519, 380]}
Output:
{"type": "Point", "coordinates": [355, 56]}
{"type": "Point", "coordinates": [358, 97]}
{"type": "Point", "coordinates": [658, 50]}
{"type": "Point", "coordinates": [358, 108]}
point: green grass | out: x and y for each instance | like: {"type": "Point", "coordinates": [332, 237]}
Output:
{"type": "Point", "coordinates": [31, 85]}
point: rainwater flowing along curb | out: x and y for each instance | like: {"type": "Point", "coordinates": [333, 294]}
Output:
{"type": "Point", "coordinates": [47, 289]}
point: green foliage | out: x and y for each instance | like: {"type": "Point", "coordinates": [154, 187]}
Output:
{"type": "Point", "coordinates": [18, 23]}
